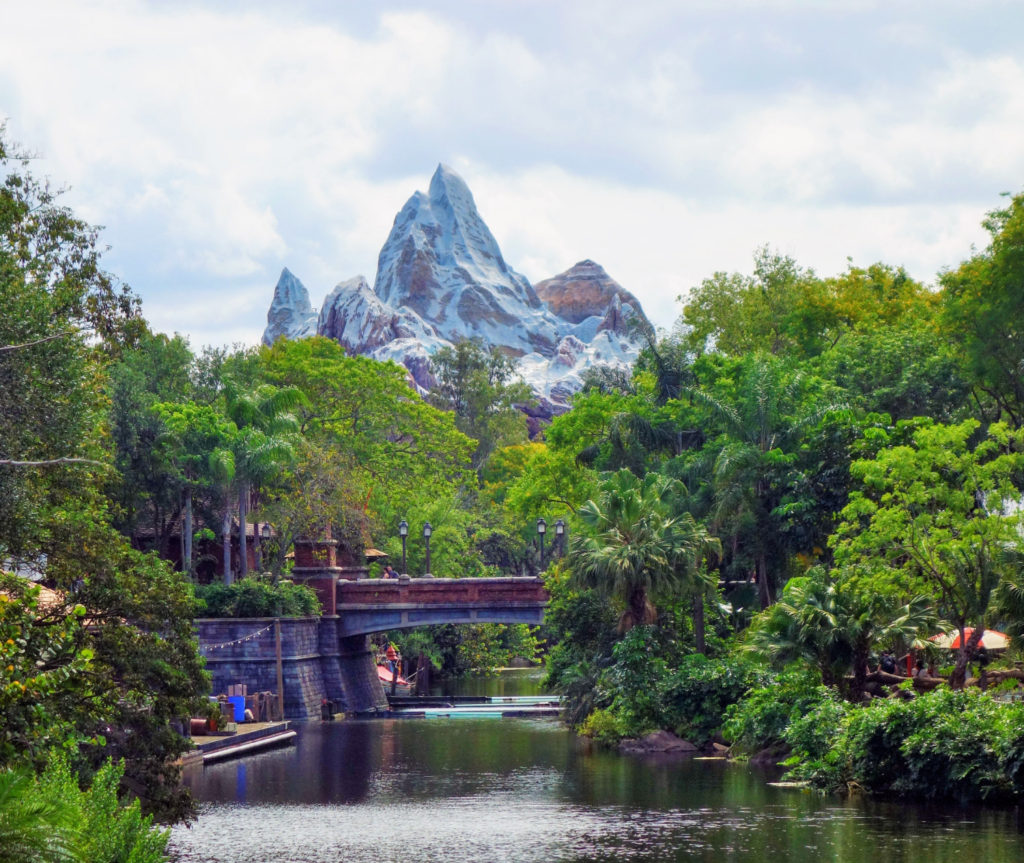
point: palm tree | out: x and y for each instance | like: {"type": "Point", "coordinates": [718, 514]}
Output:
{"type": "Point", "coordinates": [635, 547]}
{"type": "Point", "coordinates": [823, 620]}
{"type": "Point", "coordinates": [696, 550]}
{"type": "Point", "coordinates": [34, 826]}
{"type": "Point", "coordinates": [264, 443]}
{"type": "Point", "coordinates": [762, 426]}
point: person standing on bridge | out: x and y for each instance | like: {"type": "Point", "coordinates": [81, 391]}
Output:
{"type": "Point", "coordinates": [388, 572]}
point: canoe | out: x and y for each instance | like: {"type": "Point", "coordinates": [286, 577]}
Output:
{"type": "Point", "coordinates": [384, 673]}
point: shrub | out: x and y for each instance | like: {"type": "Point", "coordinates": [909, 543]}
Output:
{"type": "Point", "coordinates": [51, 819]}
{"type": "Point", "coordinates": [636, 679]}
{"type": "Point", "coordinates": [250, 597]}
{"type": "Point", "coordinates": [762, 718]}
{"type": "Point", "coordinates": [957, 745]}
{"type": "Point", "coordinates": [697, 694]}
{"type": "Point", "coordinates": [604, 727]}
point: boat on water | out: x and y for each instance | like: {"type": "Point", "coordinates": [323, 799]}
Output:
{"type": "Point", "coordinates": [402, 685]}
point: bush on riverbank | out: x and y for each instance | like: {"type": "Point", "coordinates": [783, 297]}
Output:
{"type": "Point", "coordinates": [250, 597]}
{"type": "Point", "coordinates": [763, 717]}
{"type": "Point", "coordinates": [49, 818]}
{"type": "Point", "coordinates": [645, 691]}
{"type": "Point", "coordinates": [957, 745]}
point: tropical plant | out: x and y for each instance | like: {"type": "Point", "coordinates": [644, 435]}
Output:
{"type": "Point", "coordinates": [762, 421]}
{"type": "Point", "coordinates": [938, 517]}
{"type": "Point", "coordinates": [249, 597]}
{"type": "Point", "coordinates": [265, 442]}
{"type": "Point", "coordinates": [35, 826]}
{"type": "Point", "coordinates": [827, 621]}
{"type": "Point", "coordinates": [634, 548]}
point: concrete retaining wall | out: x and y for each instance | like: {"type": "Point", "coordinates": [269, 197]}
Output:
{"type": "Point", "coordinates": [314, 664]}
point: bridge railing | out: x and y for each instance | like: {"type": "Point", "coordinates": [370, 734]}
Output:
{"type": "Point", "coordinates": [441, 591]}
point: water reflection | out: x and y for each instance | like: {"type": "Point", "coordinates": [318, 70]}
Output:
{"type": "Point", "coordinates": [524, 790]}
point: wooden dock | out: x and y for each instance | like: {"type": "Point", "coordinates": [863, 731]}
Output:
{"type": "Point", "coordinates": [250, 737]}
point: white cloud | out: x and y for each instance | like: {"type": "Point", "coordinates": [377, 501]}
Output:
{"type": "Point", "coordinates": [218, 146]}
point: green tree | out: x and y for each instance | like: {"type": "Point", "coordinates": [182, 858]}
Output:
{"type": "Point", "coordinates": [826, 621]}
{"type": "Point", "coordinates": [264, 444]}
{"type": "Point", "coordinates": [983, 305]}
{"type": "Point", "coordinates": [634, 547]}
{"type": "Point", "coordinates": [146, 490]}
{"type": "Point", "coordinates": [482, 389]}
{"type": "Point", "coordinates": [195, 440]}
{"type": "Point", "coordinates": [64, 320]}
{"type": "Point", "coordinates": [763, 415]}
{"type": "Point", "coordinates": [937, 516]}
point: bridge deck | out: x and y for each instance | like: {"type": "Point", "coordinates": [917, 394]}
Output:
{"type": "Point", "coordinates": [375, 605]}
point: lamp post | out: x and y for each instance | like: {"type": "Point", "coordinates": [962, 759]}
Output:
{"type": "Point", "coordinates": [403, 531]}
{"type": "Point", "coordinates": [560, 536]}
{"type": "Point", "coordinates": [261, 546]}
{"type": "Point", "coordinates": [427, 530]}
{"type": "Point", "coordinates": [542, 528]}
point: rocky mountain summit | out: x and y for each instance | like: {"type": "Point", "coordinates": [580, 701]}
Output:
{"type": "Point", "coordinates": [441, 278]}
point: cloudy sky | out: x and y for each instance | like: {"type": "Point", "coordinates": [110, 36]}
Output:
{"type": "Point", "coordinates": [220, 141]}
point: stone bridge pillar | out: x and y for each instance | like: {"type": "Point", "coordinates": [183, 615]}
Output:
{"type": "Point", "coordinates": [363, 691]}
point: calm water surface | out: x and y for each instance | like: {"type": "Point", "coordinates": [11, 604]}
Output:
{"type": "Point", "coordinates": [477, 790]}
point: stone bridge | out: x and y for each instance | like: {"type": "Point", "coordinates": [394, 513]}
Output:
{"type": "Point", "coordinates": [377, 605]}
{"type": "Point", "coordinates": [330, 657]}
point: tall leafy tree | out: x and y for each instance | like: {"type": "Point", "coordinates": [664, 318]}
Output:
{"type": "Point", "coordinates": [938, 516]}
{"type": "Point", "coordinates": [634, 547]}
{"type": "Point", "coordinates": [263, 445]}
{"type": "Point", "coordinates": [983, 307]}
{"type": "Point", "coordinates": [484, 391]}
{"type": "Point", "coordinates": [64, 320]}
{"type": "Point", "coordinates": [196, 442]}
{"type": "Point", "coordinates": [762, 419]}
{"type": "Point", "coordinates": [825, 620]}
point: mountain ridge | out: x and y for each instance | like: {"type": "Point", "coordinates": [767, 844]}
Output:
{"type": "Point", "coordinates": [441, 278]}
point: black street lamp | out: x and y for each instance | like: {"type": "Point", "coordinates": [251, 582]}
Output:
{"type": "Point", "coordinates": [542, 528]}
{"type": "Point", "coordinates": [560, 536]}
{"type": "Point", "coordinates": [427, 530]}
{"type": "Point", "coordinates": [403, 531]}
{"type": "Point", "coordinates": [262, 549]}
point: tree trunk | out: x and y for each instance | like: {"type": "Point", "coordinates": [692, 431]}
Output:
{"type": "Point", "coordinates": [764, 589]}
{"type": "Point", "coordinates": [243, 551]}
{"type": "Point", "coordinates": [637, 612]}
{"type": "Point", "coordinates": [963, 656]}
{"type": "Point", "coordinates": [186, 557]}
{"type": "Point", "coordinates": [225, 532]}
{"type": "Point", "coordinates": [698, 623]}
{"type": "Point", "coordinates": [860, 673]}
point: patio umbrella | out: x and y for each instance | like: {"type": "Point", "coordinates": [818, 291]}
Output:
{"type": "Point", "coordinates": [991, 640]}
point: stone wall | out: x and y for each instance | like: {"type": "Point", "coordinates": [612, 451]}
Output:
{"type": "Point", "coordinates": [243, 651]}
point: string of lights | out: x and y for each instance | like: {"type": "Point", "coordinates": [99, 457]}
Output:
{"type": "Point", "coordinates": [249, 637]}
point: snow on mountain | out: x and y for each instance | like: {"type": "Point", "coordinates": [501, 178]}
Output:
{"type": "Point", "coordinates": [290, 312]}
{"type": "Point", "coordinates": [441, 278]}
{"type": "Point", "coordinates": [442, 261]}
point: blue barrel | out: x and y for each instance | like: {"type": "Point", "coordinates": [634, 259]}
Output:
{"type": "Point", "coordinates": [238, 702]}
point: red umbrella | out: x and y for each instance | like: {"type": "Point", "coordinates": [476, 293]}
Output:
{"type": "Point", "coordinates": [990, 639]}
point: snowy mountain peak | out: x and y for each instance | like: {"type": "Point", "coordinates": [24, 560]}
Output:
{"type": "Point", "coordinates": [442, 262]}
{"type": "Point", "coordinates": [441, 278]}
{"type": "Point", "coordinates": [290, 312]}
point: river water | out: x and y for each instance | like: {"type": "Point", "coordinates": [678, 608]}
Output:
{"type": "Point", "coordinates": [525, 790]}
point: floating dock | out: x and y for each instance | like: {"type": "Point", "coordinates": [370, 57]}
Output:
{"type": "Point", "coordinates": [477, 707]}
{"type": "Point", "coordinates": [250, 737]}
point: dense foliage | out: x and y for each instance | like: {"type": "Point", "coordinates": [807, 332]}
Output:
{"type": "Point", "coordinates": [49, 819]}
{"type": "Point", "coordinates": [847, 453]}
{"type": "Point", "coordinates": [251, 597]}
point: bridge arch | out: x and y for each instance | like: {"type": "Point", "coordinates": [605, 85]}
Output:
{"type": "Point", "coordinates": [368, 606]}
